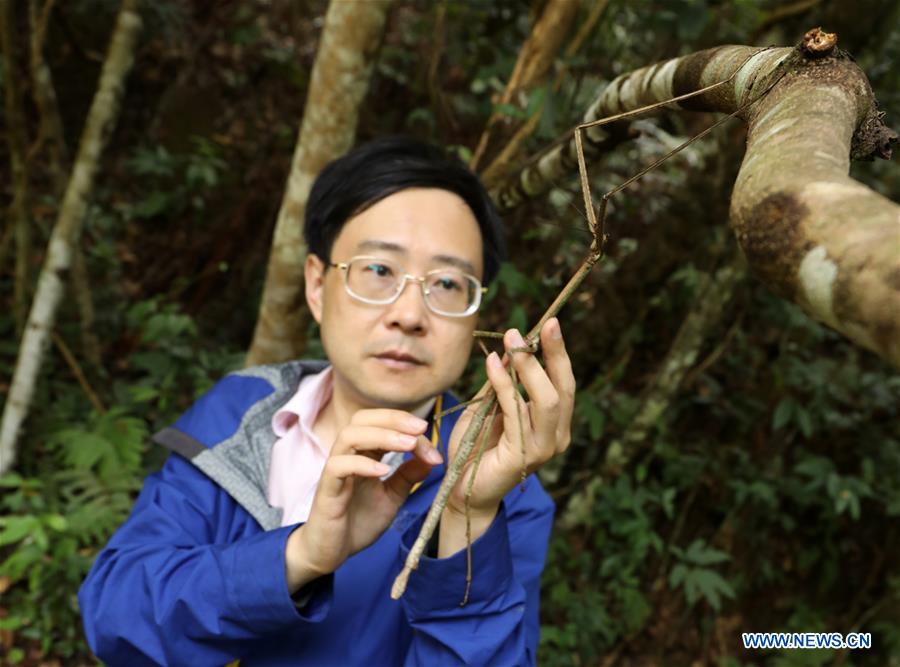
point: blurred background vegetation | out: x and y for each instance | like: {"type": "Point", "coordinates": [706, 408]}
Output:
{"type": "Point", "coordinates": [765, 497]}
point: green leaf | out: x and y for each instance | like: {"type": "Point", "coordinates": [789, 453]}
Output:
{"type": "Point", "coordinates": [783, 413]}
{"type": "Point", "coordinates": [11, 623]}
{"type": "Point", "coordinates": [596, 422]}
{"type": "Point", "coordinates": [804, 421]}
{"type": "Point", "coordinates": [154, 204]}
{"type": "Point", "coordinates": [712, 586]}
{"type": "Point", "coordinates": [10, 480]}
{"type": "Point", "coordinates": [16, 528]}
{"type": "Point", "coordinates": [667, 501]}
{"type": "Point", "coordinates": [700, 554]}
{"type": "Point", "coordinates": [678, 575]}
{"type": "Point", "coordinates": [56, 522]}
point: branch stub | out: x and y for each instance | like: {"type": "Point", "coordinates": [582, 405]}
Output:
{"type": "Point", "coordinates": [818, 43]}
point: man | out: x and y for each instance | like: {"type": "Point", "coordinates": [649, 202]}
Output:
{"type": "Point", "coordinates": [273, 533]}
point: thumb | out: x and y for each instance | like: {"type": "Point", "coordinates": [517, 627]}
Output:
{"type": "Point", "coordinates": [407, 476]}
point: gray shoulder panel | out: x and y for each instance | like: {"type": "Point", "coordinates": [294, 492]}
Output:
{"type": "Point", "coordinates": [240, 464]}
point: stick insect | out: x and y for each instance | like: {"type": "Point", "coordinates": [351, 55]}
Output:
{"type": "Point", "coordinates": [480, 426]}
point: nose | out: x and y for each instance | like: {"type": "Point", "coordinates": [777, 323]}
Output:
{"type": "Point", "coordinates": [409, 312]}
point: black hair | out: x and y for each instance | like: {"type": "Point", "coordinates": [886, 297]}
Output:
{"type": "Point", "coordinates": [377, 169]}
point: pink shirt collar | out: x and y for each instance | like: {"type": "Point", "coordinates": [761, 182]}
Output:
{"type": "Point", "coordinates": [304, 406]}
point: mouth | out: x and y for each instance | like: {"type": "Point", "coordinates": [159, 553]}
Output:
{"type": "Point", "coordinates": [399, 360]}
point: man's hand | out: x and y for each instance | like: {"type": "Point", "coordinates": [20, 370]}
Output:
{"type": "Point", "coordinates": [545, 420]}
{"type": "Point", "coordinates": [352, 506]}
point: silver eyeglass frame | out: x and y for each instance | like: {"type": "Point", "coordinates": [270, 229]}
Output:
{"type": "Point", "coordinates": [344, 266]}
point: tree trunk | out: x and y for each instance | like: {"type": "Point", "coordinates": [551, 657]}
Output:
{"type": "Point", "coordinates": [103, 112]}
{"type": "Point", "coordinates": [17, 133]}
{"type": "Point", "coordinates": [340, 78]}
{"type": "Point", "coordinates": [51, 133]}
{"type": "Point", "coordinates": [809, 231]}
{"type": "Point", "coordinates": [493, 172]}
{"type": "Point", "coordinates": [535, 59]}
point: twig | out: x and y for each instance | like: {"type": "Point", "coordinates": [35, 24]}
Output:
{"type": "Point", "coordinates": [460, 406]}
{"type": "Point", "coordinates": [485, 436]}
{"type": "Point", "coordinates": [715, 354]}
{"type": "Point", "coordinates": [524, 472]}
{"type": "Point", "coordinates": [75, 367]}
{"type": "Point", "coordinates": [487, 334]}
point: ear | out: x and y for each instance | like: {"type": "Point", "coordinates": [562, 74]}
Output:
{"type": "Point", "coordinates": [314, 279]}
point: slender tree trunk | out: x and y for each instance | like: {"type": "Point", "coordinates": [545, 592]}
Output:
{"type": "Point", "coordinates": [534, 61]}
{"type": "Point", "coordinates": [51, 127]}
{"type": "Point", "coordinates": [101, 117]}
{"type": "Point", "coordinates": [17, 134]}
{"type": "Point", "coordinates": [339, 81]}
{"type": "Point", "coordinates": [52, 134]}
{"type": "Point", "coordinates": [809, 231]}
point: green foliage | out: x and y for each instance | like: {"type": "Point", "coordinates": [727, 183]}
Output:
{"type": "Point", "coordinates": [693, 574]}
{"type": "Point", "coordinates": [173, 184]}
{"type": "Point", "coordinates": [82, 481]}
{"type": "Point", "coordinates": [783, 507]}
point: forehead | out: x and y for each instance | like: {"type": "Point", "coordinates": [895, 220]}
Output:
{"type": "Point", "coordinates": [422, 223]}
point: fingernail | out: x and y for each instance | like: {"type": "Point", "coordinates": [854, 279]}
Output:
{"type": "Point", "coordinates": [406, 440]}
{"type": "Point", "coordinates": [517, 338]}
{"type": "Point", "coordinates": [556, 330]}
{"type": "Point", "coordinates": [434, 456]}
{"type": "Point", "coordinates": [381, 468]}
{"type": "Point", "coordinates": [416, 424]}
{"type": "Point", "coordinates": [494, 360]}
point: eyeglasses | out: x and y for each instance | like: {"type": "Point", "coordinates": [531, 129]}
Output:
{"type": "Point", "coordinates": [380, 281]}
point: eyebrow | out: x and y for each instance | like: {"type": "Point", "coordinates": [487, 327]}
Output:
{"type": "Point", "coordinates": [387, 246]}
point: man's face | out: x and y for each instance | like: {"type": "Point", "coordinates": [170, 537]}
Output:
{"type": "Point", "coordinates": [419, 229]}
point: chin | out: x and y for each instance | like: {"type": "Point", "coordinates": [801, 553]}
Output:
{"type": "Point", "coordinates": [401, 392]}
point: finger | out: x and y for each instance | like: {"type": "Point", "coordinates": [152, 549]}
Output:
{"type": "Point", "coordinates": [427, 452]}
{"type": "Point", "coordinates": [372, 440]}
{"type": "Point", "coordinates": [406, 477]}
{"type": "Point", "coordinates": [397, 420]}
{"type": "Point", "coordinates": [542, 395]}
{"type": "Point", "coordinates": [507, 397]}
{"type": "Point", "coordinates": [559, 369]}
{"type": "Point", "coordinates": [338, 469]}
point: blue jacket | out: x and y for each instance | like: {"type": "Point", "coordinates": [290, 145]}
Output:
{"type": "Point", "coordinates": [196, 575]}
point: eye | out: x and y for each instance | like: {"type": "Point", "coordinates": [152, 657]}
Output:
{"type": "Point", "coordinates": [448, 284]}
{"type": "Point", "coordinates": [380, 270]}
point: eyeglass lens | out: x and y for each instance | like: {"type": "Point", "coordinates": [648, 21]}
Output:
{"type": "Point", "coordinates": [380, 280]}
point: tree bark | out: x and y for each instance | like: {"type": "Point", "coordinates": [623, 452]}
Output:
{"type": "Point", "coordinates": [339, 81]}
{"type": "Point", "coordinates": [101, 117]}
{"type": "Point", "coordinates": [535, 58]}
{"type": "Point", "coordinates": [809, 231]}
